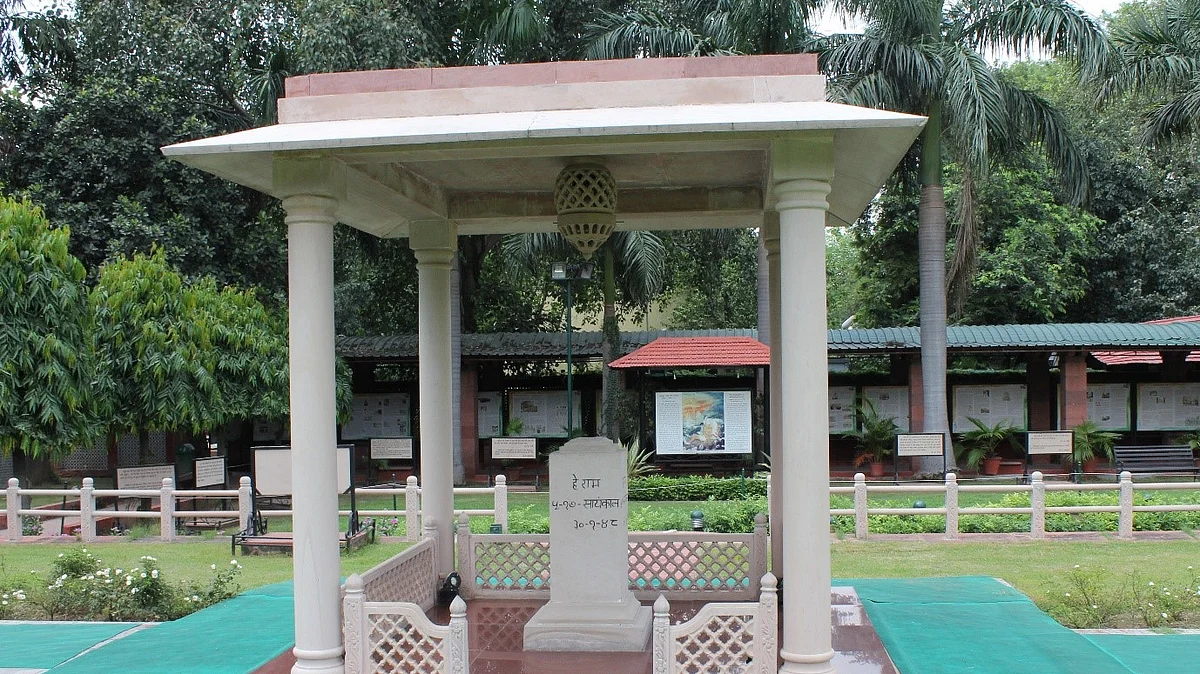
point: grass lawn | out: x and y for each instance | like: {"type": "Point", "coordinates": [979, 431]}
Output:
{"type": "Point", "coordinates": [1038, 569]}
{"type": "Point", "coordinates": [185, 561]}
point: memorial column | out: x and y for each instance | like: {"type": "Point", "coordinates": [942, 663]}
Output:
{"type": "Point", "coordinates": [434, 244]}
{"type": "Point", "coordinates": [770, 234]}
{"type": "Point", "coordinates": [313, 186]}
{"type": "Point", "coordinates": [802, 170]}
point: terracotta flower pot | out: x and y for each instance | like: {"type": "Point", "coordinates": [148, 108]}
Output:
{"type": "Point", "coordinates": [875, 469]}
{"type": "Point", "coordinates": [991, 466]}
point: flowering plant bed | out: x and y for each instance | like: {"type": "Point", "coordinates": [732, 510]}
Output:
{"type": "Point", "coordinates": [80, 586]}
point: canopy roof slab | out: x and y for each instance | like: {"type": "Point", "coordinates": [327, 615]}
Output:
{"type": "Point", "coordinates": [688, 141]}
{"type": "Point", "coordinates": [431, 154]}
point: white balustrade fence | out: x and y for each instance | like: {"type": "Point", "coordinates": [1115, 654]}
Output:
{"type": "Point", "coordinates": [685, 565]}
{"type": "Point", "coordinates": [173, 504]}
{"type": "Point", "coordinates": [1037, 509]}
{"type": "Point", "coordinates": [384, 626]}
{"type": "Point", "coordinates": [738, 638]}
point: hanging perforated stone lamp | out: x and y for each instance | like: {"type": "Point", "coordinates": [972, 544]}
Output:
{"type": "Point", "coordinates": [585, 197]}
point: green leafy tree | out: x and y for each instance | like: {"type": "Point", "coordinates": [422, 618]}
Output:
{"type": "Point", "coordinates": [1158, 47]}
{"type": "Point", "coordinates": [711, 278]}
{"type": "Point", "coordinates": [155, 351]}
{"type": "Point", "coordinates": [1147, 200]}
{"type": "Point", "coordinates": [49, 380]}
{"type": "Point", "coordinates": [928, 58]}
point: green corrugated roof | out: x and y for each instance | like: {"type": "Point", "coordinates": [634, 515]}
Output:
{"type": "Point", "coordinates": [1163, 336]}
{"type": "Point", "coordinates": [516, 345]}
{"type": "Point", "coordinates": [992, 338]}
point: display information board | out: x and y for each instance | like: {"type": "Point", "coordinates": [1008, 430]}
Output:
{"type": "Point", "coordinates": [391, 448]}
{"type": "Point", "coordinates": [210, 472]}
{"type": "Point", "coordinates": [890, 402]}
{"type": "Point", "coordinates": [1050, 442]}
{"type": "Point", "coordinates": [1108, 406]}
{"type": "Point", "coordinates": [989, 403]}
{"type": "Point", "coordinates": [543, 414]}
{"type": "Point", "coordinates": [1168, 407]}
{"type": "Point", "coordinates": [144, 477]}
{"type": "Point", "coordinates": [702, 422]}
{"type": "Point", "coordinates": [386, 415]}
{"type": "Point", "coordinates": [514, 448]}
{"type": "Point", "coordinates": [273, 470]}
{"type": "Point", "coordinates": [920, 444]}
{"type": "Point", "coordinates": [488, 414]}
{"type": "Point", "coordinates": [842, 400]}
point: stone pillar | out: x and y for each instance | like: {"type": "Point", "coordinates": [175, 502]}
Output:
{"type": "Point", "coordinates": [434, 244]}
{"type": "Point", "coordinates": [316, 562]}
{"type": "Point", "coordinates": [1037, 382]}
{"type": "Point", "coordinates": [469, 416]}
{"type": "Point", "coordinates": [1074, 389]}
{"type": "Point", "coordinates": [802, 171]}
{"type": "Point", "coordinates": [770, 239]}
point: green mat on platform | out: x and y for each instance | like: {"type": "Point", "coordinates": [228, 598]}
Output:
{"type": "Point", "coordinates": [1152, 653]}
{"type": "Point", "coordinates": [44, 645]}
{"type": "Point", "coordinates": [236, 636]}
{"type": "Point", "coordinates": [978, 625]}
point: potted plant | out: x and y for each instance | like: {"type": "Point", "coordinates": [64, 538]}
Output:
{"type": "Point", "coordinates": [978, 446]}
{"type": "Point", "coordinates": [1091, 443]}
{"type": "Point", "coordinates": [875, 438]}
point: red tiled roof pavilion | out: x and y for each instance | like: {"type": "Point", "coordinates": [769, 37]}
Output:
{"type": "Point", "coordinates": [672, 352]}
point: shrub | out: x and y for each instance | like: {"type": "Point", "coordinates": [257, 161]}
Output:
{"type": "Point", "coordinates": [80, 587]}
{"type": "Point", "coordinates": [695, 488]}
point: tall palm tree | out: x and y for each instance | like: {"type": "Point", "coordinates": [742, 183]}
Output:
{"type": "Point", "coordinates": [32, 37]}
{"type": "Point", "coordinates": [704, 28]}
{"type": "Point", "coordinates": [632, 262]}
{"type": "Point", "coordinates": [929, 58]}
{"type": "Point", "coordinates": [1158, 50]}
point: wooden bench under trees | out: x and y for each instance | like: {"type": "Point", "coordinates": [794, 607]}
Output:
{"type": "Point", "coordinates": [1155, 459]}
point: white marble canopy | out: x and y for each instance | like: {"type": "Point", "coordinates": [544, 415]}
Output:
{"type": "Point", "coordinates": [431, 154]}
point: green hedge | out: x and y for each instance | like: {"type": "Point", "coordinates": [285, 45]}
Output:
{"type": "Point", "coordinates": [695, 488]}
{"type": "Point", "coordinates": [995, 524]}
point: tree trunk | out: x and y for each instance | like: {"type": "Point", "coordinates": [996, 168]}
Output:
{"type": "Point", "coordinates": [143, 447]}
{"type": "Point", "coordinates": [931, 239]}
{"type": "Point", "coordinates": [609, 390]}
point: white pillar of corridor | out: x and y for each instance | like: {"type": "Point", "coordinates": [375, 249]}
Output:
{"type": "Point", "coordinates": [801, 174]}
{"type": "Point", "coordinates": [770, 234]}
{"type": "Point", "coordinates": [312, 186]}
{"type": "Point", "coordinates": [435, 244]}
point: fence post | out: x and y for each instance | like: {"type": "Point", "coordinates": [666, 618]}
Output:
{"type": "Point", "coordinates": [1037, 504]}
{"type": "Point", "coordinates": [459, 651]}
{"type": "Point", "coordinates": [500, 503]}
{"type": "Point", "coordinates": [1125, 523]}
{"type": "Point", "coordinates": [466, 556]}
{"type": "Point", "coordinates": [245, 503]}
{"type": "Point", "coordinates": [166, 510]}
{"type": "Point", "coordinates": [662, 635]}
{"type": "Point", "coordinates": [412, 509]}
{"type": "Point", "coordinates": [861, 527]}
{"type": "Point", "coordinates": [951, 506]}
{"type": "Point", "coordinates": [87, 510]}
{"type": "Point", "coordinates": [13, 501]}
{"type": "Point", "coordinates": [766, 623]}
{"type": "Point", "coordinates": [758, 554]}
{"type": "Point", "coordinates": [352, 623]}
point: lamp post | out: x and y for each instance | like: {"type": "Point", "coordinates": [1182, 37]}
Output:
{"type": "Point", "coordinates": [566, 273]}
